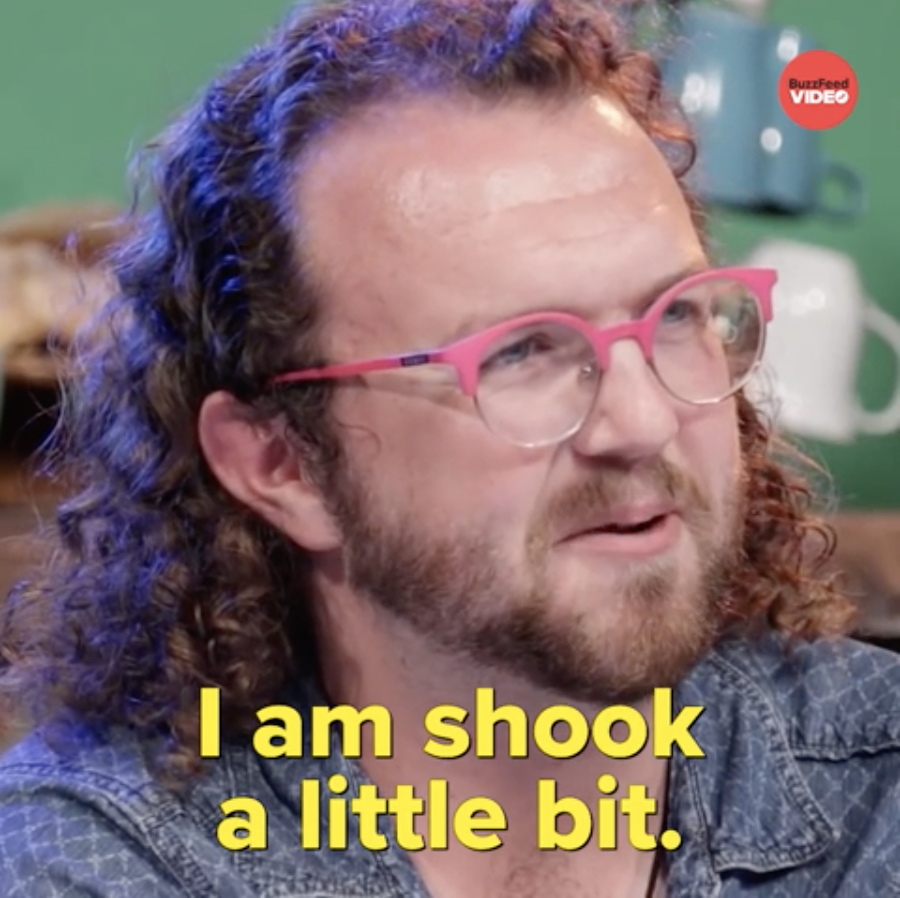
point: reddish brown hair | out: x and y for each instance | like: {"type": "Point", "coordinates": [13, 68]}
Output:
{"type": "Point", "coordinates": [159, 583]}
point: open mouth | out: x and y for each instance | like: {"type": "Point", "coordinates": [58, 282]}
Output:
{"type": "Point", "coordinates": [629, 529]}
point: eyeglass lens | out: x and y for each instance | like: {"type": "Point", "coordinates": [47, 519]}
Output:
{"type": "Point", "coordinates": [537, 384]}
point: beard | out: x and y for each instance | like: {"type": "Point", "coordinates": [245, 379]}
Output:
{"type": "Point", "coordinates": [641, 628]}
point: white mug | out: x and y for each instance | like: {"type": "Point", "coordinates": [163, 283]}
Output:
{"type": "Point", "coordinates": [807, 380]}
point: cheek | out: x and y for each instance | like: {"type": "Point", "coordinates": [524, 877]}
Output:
{"type": "Point", "coordinates": [438, 456]}
{"type": "Point", "coordinates": [711, 442]}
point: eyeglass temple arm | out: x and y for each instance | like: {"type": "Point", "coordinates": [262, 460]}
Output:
{"type": "Point", "coordinates": [352, 369]}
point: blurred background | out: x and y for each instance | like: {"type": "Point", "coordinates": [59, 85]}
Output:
{"type": "Point", "coordinates": [84, 85]}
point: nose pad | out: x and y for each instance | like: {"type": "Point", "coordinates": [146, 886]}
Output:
{"type": "Point", "coordinates": [590, 370]}
{"type": "Point", "coordinates": [628, 361]}
{"type": "Point", "coordinates": [631, 412]}
{"type": "Point", "coordinates": [590, 376]}
{"type": "Point", "coordinates": [602, 371]}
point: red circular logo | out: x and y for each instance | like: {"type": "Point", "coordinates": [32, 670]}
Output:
{"type": "Point", "coordinates": [818, 89]}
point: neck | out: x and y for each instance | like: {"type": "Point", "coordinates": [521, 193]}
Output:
{"type": "Point", "coordinates": [372, 659]}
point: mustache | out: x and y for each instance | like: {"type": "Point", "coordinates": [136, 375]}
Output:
{"type": "Point", "coordinates": [617, 486]}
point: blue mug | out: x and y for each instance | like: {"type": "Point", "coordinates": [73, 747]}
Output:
{"type": "Point", "coordinates": [725, 70]}
{"type": "Point", "coordinates": [796, 173]}
{"type": "Point", "coordinates": [714, 72]}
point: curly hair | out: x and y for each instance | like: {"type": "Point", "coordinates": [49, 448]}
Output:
{"type": "Point", "coordinates": [158, 582]}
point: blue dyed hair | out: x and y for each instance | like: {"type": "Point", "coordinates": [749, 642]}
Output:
{"type": "Point", "coordinates": [159, 582]}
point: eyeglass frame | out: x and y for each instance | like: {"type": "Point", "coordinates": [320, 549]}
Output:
{"type": "Point", "coordinates": [465, 355]}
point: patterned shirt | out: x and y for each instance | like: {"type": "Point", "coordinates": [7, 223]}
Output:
{"type": "Point", "coordinates": [798, 796]}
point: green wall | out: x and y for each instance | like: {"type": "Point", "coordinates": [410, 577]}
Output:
{"type": "Point", "coordinates": [864, 32]}
{"type": "Point", "coordinates": [85, 82]}
{"type": "Point", "coordinates": [82, 84]}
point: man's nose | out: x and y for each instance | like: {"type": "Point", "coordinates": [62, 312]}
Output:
{"type": "Point", "coordinates": [633, 416]}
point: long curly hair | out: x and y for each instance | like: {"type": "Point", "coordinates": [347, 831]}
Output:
{"type": "Point", "coordinates": [157, 582]}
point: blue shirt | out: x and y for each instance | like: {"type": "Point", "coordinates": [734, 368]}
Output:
{"type": "Point", "coordinates": [798, 795]}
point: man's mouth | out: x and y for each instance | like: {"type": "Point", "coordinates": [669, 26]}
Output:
{"type": "Point", "coordinates": [624, 520]}
{"type": "Point", "coordinates": [627, 529]}
{"type": "Point", "coordinates": [646, 530]}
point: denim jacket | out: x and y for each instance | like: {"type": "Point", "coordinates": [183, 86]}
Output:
{"type": "Point", "coordinates": [798, 795]}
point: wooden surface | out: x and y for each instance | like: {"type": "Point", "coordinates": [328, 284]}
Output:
{"type": "Point", "coordinates": [868, 550]}
{"type": "Point", "coordinates": [18, 553]}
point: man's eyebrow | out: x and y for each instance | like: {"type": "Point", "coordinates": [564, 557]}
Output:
{"type": "Point", "coordinates": [473, 324]}
{"type": "Point", "coordinates": [696, 266]}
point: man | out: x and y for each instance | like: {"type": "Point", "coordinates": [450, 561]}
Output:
{"type": "Point", "coordinates": [287, 496]}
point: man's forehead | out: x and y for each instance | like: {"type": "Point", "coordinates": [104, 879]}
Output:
{"type": "Point", "coordinates": [422, 159]}
{"type": "Point", "coordinates": [410, 196]}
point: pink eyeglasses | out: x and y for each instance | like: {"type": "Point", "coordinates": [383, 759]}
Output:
{"type": "Point", "coordinates": [534, 379]}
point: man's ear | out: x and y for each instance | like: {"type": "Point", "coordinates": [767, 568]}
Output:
{"type": "Point", "coordinates": [257, 465]}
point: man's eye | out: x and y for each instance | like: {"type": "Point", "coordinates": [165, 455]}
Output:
{"type": "Point", "coordinates": [518, 352]}
{"type": "Point", "coordinates": [685, 311]}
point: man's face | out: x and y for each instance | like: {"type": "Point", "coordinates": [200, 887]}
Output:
{"type": "Point", "coordinates": [589, 567]}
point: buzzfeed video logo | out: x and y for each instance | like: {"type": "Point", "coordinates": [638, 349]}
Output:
{"type": "Point", "coordinates": [818, 89]}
